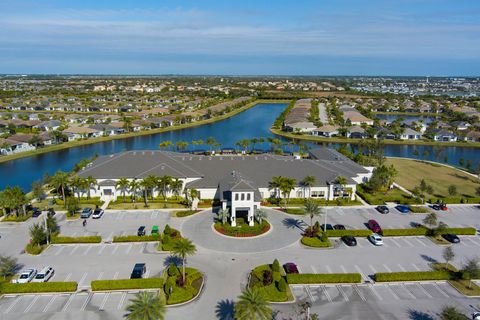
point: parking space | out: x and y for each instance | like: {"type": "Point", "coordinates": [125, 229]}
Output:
{"type": "Point", "coordinates": [101, 249]}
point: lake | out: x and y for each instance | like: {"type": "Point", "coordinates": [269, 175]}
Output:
{"type": "Point", "coordinates": [407, 119]}
{"type": "Point", "coordinates": [254, 122]}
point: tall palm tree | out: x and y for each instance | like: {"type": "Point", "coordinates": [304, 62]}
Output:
{"type": "Point", "coordinates": [147, 184]}
{"type": "Point", "coordinates": [77, 183]}
{"type": "Point", "coordinates": [59, 181]}
{"type": "Point", "coordinates": [312, 210]}
{"type": "Point", "coordinates": [223, 215]}
{"type": "Point", "coordinates": [163, 185]}
{"type": "Point", "coordinates": [134, 186]}
{"type": "Point", "coordinates": [342, 181]}
{"type": "Point", "coordinates": [275, 185]}
{"type": "Point", "coordinates": [260, 215]}
{"type": "Point", "coordinates": [176, 187]}
{"type": "Point", "coordinates": [286, 186]}
{"type": "Point", "coordinates": [152, 182]}
{"type": "Point", "coordinates": [123, 184]}
{"type": "Point", "coordinates": [254, 141]}
{"type": "Point", "coordinates": [183, 248]}
{"type": "Point", "coordinates": [91, 183]}
{"type": "Point", "coordinates": [165, 144]}
{"type": "Point", "coordinates": [146, 306]}
{"type": "Point", "coordinates": [307, 184]}
{"type": "Point", "coordinates": [252, 305]}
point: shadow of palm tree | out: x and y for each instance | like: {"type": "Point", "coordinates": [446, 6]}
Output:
{"type": "Point", "coordinates": [224, 310]}
{"type": "Point", "coordinates": [428, 258]}
{"type": "Point", "coordinates": [172, 259]}
{"type": "Point", "coordinates": [419, 315]}
{"type": "Point", "coordinates": [292, 223]}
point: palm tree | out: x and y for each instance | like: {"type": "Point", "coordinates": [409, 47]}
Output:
{"type": "Point", "coordinates": [165, 144]}
{"type": "Point", "coordinates": [252, 305]}
{"type": "Point", "coordinates": [146, 306]}
{"type": "Point", "coordinates": [77, 183]}
{"type": "Point", "coordinates": [223, 215]}
{"type": "Point", "coordinates": [183, 248]}
{"type": "Point", "coordinates": [286, 186]}
{"type": "Point", "coordinates": [134, 185]}
{"type": "Point", "coordinates": [123, 185]}
{"type": "Point", "coordinates": [342, 181]}
{"type": "Point", "coordinates": [312, 210]}
{"type": "Point", "coordinates": [244, 143]}
{"type": "Point", "coordinates": [260, 215]}
{"type": "Point", "coordinates": [163, 185]}
{"type": "Point", "coordinates": [211, 142]}
{"type": "Point", "coordinates": [254, 141]}
{"type": "Point", "coordinates": [275, 185]}
{"type": "Point", "coordinates": [176, 187]}
{"type": "Point", "coordinates": [307, 183]}
{"type": "Point", "coordinates": [181, 145]}
{"type": "Point", "coordinates": [59, 181]}
{"type": "Point", "coordinates": [91, 182]}
{"type": "Point", "coordinates": [190, 194]}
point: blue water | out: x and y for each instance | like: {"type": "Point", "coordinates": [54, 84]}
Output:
{"type": "Point", "coordinates": [254, 122]}
{"type": "Point", "coordinates": [407, 119]}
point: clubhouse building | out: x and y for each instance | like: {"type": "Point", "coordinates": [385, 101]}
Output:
{"type": "Point", "coordinates": [239, 182]}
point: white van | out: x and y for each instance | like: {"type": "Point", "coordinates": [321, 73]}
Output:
{"type": "Point", "coordinates": [44, 275]}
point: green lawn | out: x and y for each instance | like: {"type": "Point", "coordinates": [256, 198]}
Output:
{"type": "Point", "coordinates": [392, 195]}
{"type": "Point", "coordinates": [411, 172]}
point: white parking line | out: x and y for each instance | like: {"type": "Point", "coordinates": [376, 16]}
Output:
{"type": "Point", "coordinates": [101, 249]}
{"type": "Point", "coordinates": [393, 292]}
{"type": "Point", "coordinates": [84, 305]}
{"type": "Point", "coordinates": [409, 293]}
{"type": "Point", "coordinates": [74, 249]}
{"type": "Point", "coordinates": [122, 300]}
{"type": "Point", "coordinates": [129, 248]}
{"type": "Point", "coordinates": [441, 290]}
{"type": "Point", "coordinates": [339, 288]}
{"type": "Point", "coordinates": [395, 242]}
{"type": "Point", "coordinates": [421, 242]}
{"type": "Point", "coordinates": [361, 273]}
{"type": "Point", "coordinates": [74, 234]}
{"type": "Point", "coordinates": [50, 303]}
{"type": "Point", "coordinates": [17, 298]}
{"type": "Point", "coordinates": [68, 277]}
{"type": "Point", "coordinates": [86, 251]}
{"type": "Point", "coordinates": [104, 301]}
{"type": "Point", "coordinates": [115, 276]}
{"type": "Point", "coordinates": [415, 266]}
{"type": "Point", "coordinates": [31, 304]}
{"type": "Point", "coordinates": [313, 269]}
{"type": "Point", "coordinates": [387, 268]}
{"type": "Point", "coordinates": [142, 247]}
{"type": "Point", "coordinates": [359, 244]}
{"type": "Point", "coordinates": [424, 291]}
{"type": "Point", "coordinates": [328, 268]}
{"type": "Point", "coordinates": [359, 293]}
{"type": "Point", "coordinates": [100, 276]}
{"type": "Point", "coordinates": [70, 299]}
{"type": "Point", "coordinates": [82, 279]}
{"type": "Point", "coordinates": [372, 268]}
{"type": "Point", "coordinates": [379, 297]}
{"type": "Point", "coordinates": [324, 289]}
{"type": "Point", "coordinates": [59, 250]}
{"type": "Point", "coordinates": [343, 269]}
{"type": "Point", "coordinates": [408, 242]}
{"type": "Point", "coordinates": [309, 294]}
{"type": "Point", "coordinates": [147, 273]}
{"type": "Point", "coordinates": [401, 267]}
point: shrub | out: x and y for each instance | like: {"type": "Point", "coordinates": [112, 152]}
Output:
{"type": "Point", "coordinates": [34, 249]}
{"type": "Point", "coordinates": [462, 231]}
{"type": "Point", "coordinates": [244, 230]}
{"type": "Point", "coordinates": [167, 230]}
{"type": "Point", "coordinates": [419, 209]}
{"type": "Point", "coordinates": [267, 277]}
{"type": "Point", "coordinates": [123, 284]}
{"type": "Point", "coordinates": [37, 287]}
{"type": "Point", "coordinates": [353, 233]}
{"type": "Point", "coordinates": [173, 270]}
{"type": "Point", "coordinates": [404, 232]}
{"type": "Point", "coordinates": [276, 266]}
{"type": "Point", "coordinates": [315, 242]}
{"type": "Point", "coordinates": [311, 278]}
{"type": "Point", "coordinates": [413, 276]}
{"type": "Point", "coordinates": [66, 240]}
{"type": "Point", "coordinates": [282, 285]}
{"type": "Point", "coordinates": [185, 213]}
{"type": "Point", "coordinates": [276, 276]}
{"type": "Point", "coordinates": [134, 238]}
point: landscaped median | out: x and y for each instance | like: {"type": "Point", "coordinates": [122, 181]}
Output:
{"type": "Point", "coordinates": [319, 278]}
{"type": "Point", "coordinates": [412, 276]}
{"type": "Point", "coordinates": [127, 284]}
{"type": "Point", "coordinates": [134, 238]}
{"type": "Point", "coordinates": [38, 287]}
{"type": "Point", "coordinates": [70, 240]}
{"type": "Point", "coordinates": [242, 230]}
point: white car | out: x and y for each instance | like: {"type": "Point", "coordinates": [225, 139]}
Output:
{"type": "Point", "coordinates": [44, 275]}
{"type": "Point", "coordinates": [97, 214]}
{"type": "Point", "coordinates": [26, 276]}
{"type": "Point", "coordinates": [375, 239]}
{"type": "Point", "coordinates": [476, 316]}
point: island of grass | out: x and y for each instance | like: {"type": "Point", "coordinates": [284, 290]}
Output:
{"type": "Point", "coordinates": [314, 237]}
{"type": "Point", "coordinates": [270, 280]}
{"type": "Point", "coordinates": [178, 290]}
{"type": "Point", "coordinates": [381, 197]}
{"type": "Point", "coordinates": [440, 177]}
{"type": "Point", "coordinates": [242, 229]}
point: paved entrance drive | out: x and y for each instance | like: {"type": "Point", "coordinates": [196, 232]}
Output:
{"type": "Point", "coordinates": [285, 230]}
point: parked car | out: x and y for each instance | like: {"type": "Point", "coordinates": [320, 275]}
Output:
{"type": "Point", "coordinates": [476, 316]}
{"type": "Point", "coordinates": [86, 213]}
{"type": "Point", "coordinates": [44, 275]}
{"type": "Point", "coordinates": [450, 237]}
{"type": "Point", "coordinates": [374, 226]}
{"type": "Point", "coordinates": [349, 241]}
{"type": "Point", "coordinates": [154, 230]}
{"type": "Point", "coordinates": [26, 276]}
{"type": "Point", "coordinates": [382, 209]}
{"type": "Point", "coordinates": [328, 227]}
{"type": "Point", "coordinates": [441, 206]}
{"type": "Point", "coordinates": [403, 208]}
{"type": "Point", "coordinates": [97, 214]}
{"type": "Point", "coordinates": [51, 212]}
{"type": "Point", "coordinates": [339, 227]}
{"type": "Point", "coordinates": [36, 212]}
{"type": "Point", "coordinates": [290, 267]}
{"type": "Point", "coordinates": [141, 231]}
{"type": "Point", "coordinates": [138, 271]}
{"type": "Point", "coordinates": [375, 239]}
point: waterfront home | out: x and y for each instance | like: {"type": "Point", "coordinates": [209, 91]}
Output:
{"type": "Point", "coordinates": [356, 118]}
{"type": "Point", "coordinates": [300, 127]}
{"type": "Point", "coordinates": [356, 132]}
{"type": "Point", "coordinates": [107, 129]}
{"type": "Point", "coordinates": [410, 134]}
{"type": "Point", "coordinates": [384, 133]}
{"type": "Point", "coordinates": [298, 117]}
{"type": "Point", "coordinates": [220, 177]}
{"type": "Point", "coordinates": [473, 136]}
{"type": "Point", "coordinates": [49, 125]}
{"type": "Point", "coordinates": [15, 144]}
{"type": "Point", "coordinates": [443, 135]}
{"type": "Point", "coordinates": [76, 133]}
{"type": "Point", "coordinates": [326, 131]}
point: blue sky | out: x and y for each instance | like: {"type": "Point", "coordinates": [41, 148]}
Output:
{"type": "Point", "coordinates": [302, 37]}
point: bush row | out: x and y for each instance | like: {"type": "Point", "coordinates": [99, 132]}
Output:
{"type": "Point", "coordinates": [38, 287]}
{"type": "Point", "coordinates": [34, 249]}
{"type": "Point", "coordinates": [315, 242]}
{"type": "Point", "coordinates": [353, 233]}
{"type": "Point", "coordinates": [66, 240]}
{"type": "Point", "coordinates": [134, 238]}
{"type": "Point", "coordinates": [312, 278]}
{"type": "Point", "coordinates": [244, 230]}
{"type": "Point", "coordinates": [462, 231]}
{"type": "Point", "coordinates": [404, 232]}
{"type": "Point", "coordinates": [413, 276]}
{"type": "Point", "coordinates": [185, 213]}
{"type": "Point", "coordinates": [123, 284]}
{"type": "Point", "coordinates": [419, 209]}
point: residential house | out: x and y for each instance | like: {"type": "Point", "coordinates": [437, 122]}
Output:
{"type": "Point", "coordinates": [326, 131]}
{"type": "Point", "coordinates": [76, 133]}
{"type": "Point", "coordinates": [443, 135]}
{"type": "Point", "coordinates": [410, 134]}
{"type": "Point", "coordinates": [49, 125]}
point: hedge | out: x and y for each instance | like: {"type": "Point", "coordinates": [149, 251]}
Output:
{"type": "Point", "coordinates": [314, 278]}
{"type": "Point", "coordinates": [34, 249]}
{"type": "Point", "coordinates": [122, 284]}
{"type": "Point", "coordinates": [413, 276]}
{"type": "Point", "coordinates": [404, 232]}
{"type": "Point", "coordinates": [185, 213]}
{"type": "Point", "coordinates": [315, 242]}
{"type": "Point", "coordinates": [462, 231]}
{"type": "Point", "coordinates": [353, 233]}
{"type": "Point", "coordinates": [419, 209]}
{"type": "Point", "coordinates": [134, 238]}
{"type": "Point", "coordinates": [243, 231]}
{"type": "Point", "coordinates": [66, 240]}
{"type": "Point", "coordinates": [38, 287]}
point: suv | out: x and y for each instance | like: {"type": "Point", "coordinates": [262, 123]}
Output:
{"type": "Point", "coordinates": [138, 271]}
{"type": "Point", "coordinates": [97, 214]}
{"type": "Point", "coordinates": [44, 275]}
{"type": "Point", "coordinates": [26, 276]}
{"type": "Point", "coordinates": [328, 226]}
{"type": "Point", "coordinates": [141, 231]}
{"type": "Point", "coordinates": [382, 209]}
{"type": "Point", "coordinates": [86, 213]}
{"type": "Point", "coordinates": [374, 226]}
{"type": "Point", "coordinates": [290, 267]}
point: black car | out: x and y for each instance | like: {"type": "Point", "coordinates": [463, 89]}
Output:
{"type": "Point", "coordinates": [339, 227]}
{"type": "Point", "coordinates": [138, 271]}
{"type": "Point", "coordinates": [382, 209]}
{"type": "Point", "coordinates": [51, 212]}
{"type": "Point", "coordinates": [328, 227]}
{"type": "Point", "coordinates": [141, 231]}
{"type": "Point", "coordinates": [450, 237]}
{"type": "Point", "coordinates": [349, 241]}
{"type": "Point", "coordinates": [36, 212]}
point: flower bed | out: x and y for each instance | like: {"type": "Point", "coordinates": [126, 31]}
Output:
{"type": "Point", "coordinates": [243, 230]}
{"type": "Point", "coordinates": [270, 280]}
{"type": "Point", "coordinates": [175, 291]}
{"type": "Point", "coordinates": [169, 238]}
